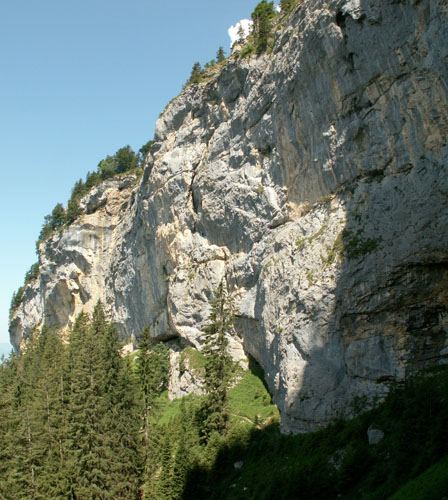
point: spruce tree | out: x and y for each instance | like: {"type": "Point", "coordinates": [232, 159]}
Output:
{"type": "Point", "coordinates": [73, 211]}
{"type": "Point", "coordinates": [287, 5]}
{"type": "Point", "coordinates": [104, 419]}
{"type": "Point", "coordinates": [14, 473]}
{"type": "Point", "coordinates": [119, 416]}
{"type": "Point", "coordinates": [262, 18]}
{"type": "Point", "coordinates": [85, 473]}
{"type": "Point", "coordinates": [220, 55]}
{"type": "Point", "coordinates": [241, 34]}
{"type": "Point", "coordinates": [218, 365]}
{"type": "Point", "coordinates": [195, 76]}
{"type": "Point", "coordinates": [152, 369]}
{"type": "Point", "coordinates": [48, 416]}
{"type": "Point", "coordinates": [24, 464]}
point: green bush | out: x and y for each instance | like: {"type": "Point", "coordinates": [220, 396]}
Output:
{"type": "Point", "coordinates": [262, 18]}
{"type": "Point", "coordinates": [31, 275]}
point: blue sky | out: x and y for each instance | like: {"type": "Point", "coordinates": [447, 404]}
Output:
{"type": "Point", "coordinates": [78, 80]}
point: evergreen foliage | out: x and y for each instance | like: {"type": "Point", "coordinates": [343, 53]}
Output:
{"type": "Point", "coordinates": [143, 151]}
{"type": "Point", "coordinates": [218, 365]}
{"type": "Point", "coordinates": [241, 34]}
{"type": "Point", "coordinates": [72, 426]}
{"type": "Point", "coordinates": [103, 413]}
{"type": "Point", "coordinates": [124, 160]}
{"type": "Point", "coordinates": [262, 18]}
{"type": "Point", "coordinates": [152, 369]}
{"type": "Point", "coordinates": [31, 275]}
{"type": "Point", "coordinates": [196, 76]}
{"type": "Point", "coordinates": [70, 416]}
{"type": "Point", "coordinates": [53, 221]}
{"type": "Point", "coordinates": [220, 55]}
{"type": "Point", "coordinates": [287, 5]}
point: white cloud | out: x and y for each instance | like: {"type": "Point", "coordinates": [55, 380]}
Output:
{"type": "Point", "coordinates": [233, 30]}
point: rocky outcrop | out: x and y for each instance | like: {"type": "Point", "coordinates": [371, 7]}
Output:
{"type": "Point", "coordinates": [184, 377]}
{"type": "Point", "coordinates": [74, 264]}
{"type": "Point", "coordinates": [312, 179]}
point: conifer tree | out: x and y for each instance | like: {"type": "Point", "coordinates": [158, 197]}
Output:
{"type": "Point", "coordinates": [241, 34]}
{"type": "Point", "coordinates": [15, 478]}
{"type": "Point", "coordinates": [152, 370]}
{"type": "Point", "coordinates": [48, 416]}
{"type": "Point", "coordinates": [24, 464]}
{"type": "Point", "coordinates": [195, 76]}
{"type": "Point", "coordinates": [218, 365]}
{"type": "Point", "coordinates": [287, 5]}
{"type": "Point", "coordinates": [143, 151]}
{"type": "Point", "coordinates": [83, 413]}
{"type": "Point", "coordinates": [73, 211]}
{"type": "Point", "coordinates": [104, 418]}
{"type": "Point", "coordinates": [262, 18]}
{"type": "Point", "coordinates": [220, 55]}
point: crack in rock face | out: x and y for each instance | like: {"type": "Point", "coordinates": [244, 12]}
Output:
{"type": "Point", "coordinates": [313, 180]}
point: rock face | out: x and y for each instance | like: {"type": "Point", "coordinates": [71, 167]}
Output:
{"type": "Point", "coordinates": [314, 180]}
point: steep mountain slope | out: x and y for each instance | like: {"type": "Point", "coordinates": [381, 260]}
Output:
{"type": "Point", "coordinates": [314, 180]}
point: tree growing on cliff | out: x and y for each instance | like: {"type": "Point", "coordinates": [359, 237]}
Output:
{"type": "Point", "coordinates": [241, 34]}
{"type": "Point", "coordinates": [125, 160]}
{"type": "Point", "coordinates": [195, 76]}
{"type": "Point", "coordinates": [262, 18]}
{"type": "Point", "coordinates": [52, 222]}
{"type": "Point", "coordinates": [287, 5]}
{"type": "Point", "coordinates": [152, 370]}
{"type": "Point", "coordinates": [218, 365]}
{"type": "Point", "coordinates": [220, 55]}
{"type": "Point", "coordinates": [143, 151]}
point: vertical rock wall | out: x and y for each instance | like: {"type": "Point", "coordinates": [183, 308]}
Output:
{"type": "Point", "coordinates": [314, 180]}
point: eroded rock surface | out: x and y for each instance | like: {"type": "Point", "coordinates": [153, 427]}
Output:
{"type": "Point", "coordinates": [314, 180]}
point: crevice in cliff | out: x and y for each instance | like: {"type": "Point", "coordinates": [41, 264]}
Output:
{"type": "Point", "coordinates": [191, 193]}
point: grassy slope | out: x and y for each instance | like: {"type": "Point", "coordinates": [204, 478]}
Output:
{"type": "Point", "coordinates": [249, 400]}
{"type": "Point", "coordinates": [430, 485]}
{"type": "Point", "coordinates": [410, 463]}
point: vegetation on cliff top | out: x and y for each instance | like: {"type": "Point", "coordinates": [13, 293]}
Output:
{"type": "Point", "coordinates": [31, 275]}
{"type": "Point", "coordinates": [124, 161]}
{"type": "Point", "coordinates": [265, 20]}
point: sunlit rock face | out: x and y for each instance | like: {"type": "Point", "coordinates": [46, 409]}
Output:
{"type": "Point", "coordinates": [314, 181]}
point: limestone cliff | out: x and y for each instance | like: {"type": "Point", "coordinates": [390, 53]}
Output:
{"type": "Point", "coordinates": [314, 179]}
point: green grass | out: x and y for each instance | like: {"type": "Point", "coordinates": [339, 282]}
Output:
{"type": "Point", "coordinates": [250, 398]}
{"type": "Point", "coordinates": [337, 463]}
{"type": "Point", "coordinates": [194, 359]}
{"type": "Point", "coordinates": [169, 410]}
{"type": "Point", "coordinates": [430, 485]}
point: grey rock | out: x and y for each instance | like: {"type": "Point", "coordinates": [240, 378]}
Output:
{"type": "Point", "coordinates": [314, 181]}
{"type": "Point", "coordinates": [374, 435]}
{"type": "Point", "coordinates": [183, 380]}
